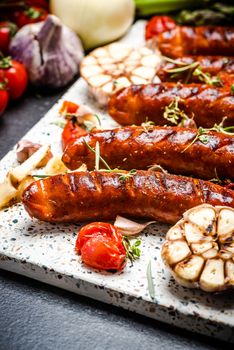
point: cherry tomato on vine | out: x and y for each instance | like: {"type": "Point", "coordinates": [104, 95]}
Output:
{"type": "Point", "coordinates": [4, 97]}
{"type": "Point", "coordinates": [101, 246]}
{"type": "Point", "coordinates": [15, 75]}
{"type": "Point", "coordinates": [71, 132]}
{"type": "Point", "coordinates": [30, 15]}
{"type": "Point", "coordinates": [7, 31]}
{"type": "Point", "coordinates": [157, 25]}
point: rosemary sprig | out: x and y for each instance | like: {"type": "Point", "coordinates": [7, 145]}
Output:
{"type": "Point", "coordinates": [174, 114]}
{"type": "Point", "coordinates": [151, 288]}
{"type": "Point", "coordinates": [133, 251]}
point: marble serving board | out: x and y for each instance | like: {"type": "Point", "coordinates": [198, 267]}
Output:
{"type": "Point", "coordinates": [46, 252]}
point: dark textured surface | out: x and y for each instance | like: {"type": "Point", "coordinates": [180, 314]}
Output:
{"type": "Point", "coordinates": [37, 316]}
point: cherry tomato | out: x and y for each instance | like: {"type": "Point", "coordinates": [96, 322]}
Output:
{"type": "Point", "coordinates": [38, 3]}
{"type": "Point", "coordinates": [101, 246]}
{"type": "Point", "coordinates": [7, 31]}
{"type": "Point", "coordinates": [157, 25]}
{"type": "Point", "coordinates": [71, 131]}
{"type": "Point", "coordinates": [15, 75]}
{"type": "Point", "coordinates": [4, 97]}
{"type": "Point", "coordinates": [30, 15]}
{"type": "Point", "coordinates": [68, 107]}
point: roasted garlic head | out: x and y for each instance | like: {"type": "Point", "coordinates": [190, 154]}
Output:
{"type": "Point", "coordinates": [199, 249]}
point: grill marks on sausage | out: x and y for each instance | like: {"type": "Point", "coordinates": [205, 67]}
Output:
{"type": "Point", "coordinates": [99, 195]}
{"type": "Point", "coordinates": [139, 148]}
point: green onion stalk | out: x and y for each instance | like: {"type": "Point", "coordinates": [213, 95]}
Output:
{"type": "Point", "coordinates": [149, 7]}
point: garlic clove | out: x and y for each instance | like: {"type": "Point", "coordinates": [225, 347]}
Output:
{"type": "Point", "coordinates": [176, 251]}
{"type": "Point", "coordinates": [175, 233]}
{"type": "Point", "coordinates": [204, 217]}
{"type": "Point", "coordinates": [225, 223]}
{"type": "Point", "coordinates": [229, 268]}
{"type": "Point", "coordinates": [212, 277]}
{"type": "Point", "coordinates": [190, 269]}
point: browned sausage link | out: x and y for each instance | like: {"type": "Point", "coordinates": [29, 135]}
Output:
{"type": "Point", "coordinates": [208, 40]}
{"type": "Point", "coordinates": [214, 65]}
{"type": "Point", "coordinates": [137, 103]}
{"type": "Point", "coordinates": [138, 148]}
{"type": "Point", "coordinates": [84, 196]}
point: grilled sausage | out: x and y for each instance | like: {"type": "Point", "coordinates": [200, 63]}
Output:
{"type": "Point", "coordinates": [136, 103]}
{"type": "Point", "coordinates": [213, 65]}
{"type": "Point", "coordinates": [208, 40]}
{"type": "Point", "coordinates": [81, 196]}
{"type": "Point", "coordinates": [140, 147]}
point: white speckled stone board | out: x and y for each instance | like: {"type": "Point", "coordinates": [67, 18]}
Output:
{"type": "Point", "coordinates": [45, 252]}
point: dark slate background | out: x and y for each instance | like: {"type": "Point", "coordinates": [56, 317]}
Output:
{"type": "Point", "coordinates": [37, 316]}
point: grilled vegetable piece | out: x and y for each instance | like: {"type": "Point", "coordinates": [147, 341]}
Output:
{"type": "Point", "coordinates": [199, 249]}
{"type": "Point", "coordinates": [205, 40]}
{"type": "Point", "coordinates": [171, 147]}
{"type": "Point", "coordinates": [111, 67]}
{"type": "Point", "coordinates": [81, 196]}
{"type": "Point", "coordinates": [208, 105]}
{"type": "Point", "coordinates": [211, 66]}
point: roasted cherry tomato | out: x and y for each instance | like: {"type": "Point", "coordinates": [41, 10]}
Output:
{"type": "Point", "coordinates": [71, 131]}
{"type": "Point", "coordinates": [101, 246]}
{"type": "Point", "coordinates": [15, 75]}
{"type": "Point", "coordinates": [4, 97]}
{"type": "Point", "coordinates": [68, 107]}
{"type": "Point", "coordinates": [158, 24]}
{"type": "Point", "coordinates": [7, 31]}
{"type": "Point", "coordinates": [29, 15]}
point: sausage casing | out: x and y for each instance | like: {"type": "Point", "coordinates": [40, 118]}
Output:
{"type": "Point", "coordinates": [214, 65]}
{"type": "Point", "coordinates": [204, 40]}
{"type": "Point", "coordinates": [137, 103]}
{"type": "Point", "coordinates": [140, 147]}
{"type": "Point", "coordinates": [82, 196]}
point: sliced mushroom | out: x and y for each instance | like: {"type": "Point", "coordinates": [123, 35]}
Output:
{"type": "Point", "coordinates": [199, 249]}
{"type": "Point", "coordinates": [111, 67]}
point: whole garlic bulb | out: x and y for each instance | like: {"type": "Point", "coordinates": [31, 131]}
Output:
{"type": "Point", "coordinates": [50, 51]}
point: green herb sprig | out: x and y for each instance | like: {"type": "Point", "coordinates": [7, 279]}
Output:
{"type": "Point", "coordinates": [133, 251]}
{"type": "Point", "coordinates": [192, 69]}
{"type": "Point", "coordinates": [202, 133]}
{"type": "Point", "coordinates": [174, 114]}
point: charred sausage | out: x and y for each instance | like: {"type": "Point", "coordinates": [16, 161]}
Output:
{"type": "Point", "coordinates": [171, 147]}
{"type": "Point", "coordinates": [207, 40]}
{"type": "Point", "coordinates": [213, 65]}
{"type": "Point", "coordinates": [136, 103]}
{"type": "Point", "coordinates": [81, 196]}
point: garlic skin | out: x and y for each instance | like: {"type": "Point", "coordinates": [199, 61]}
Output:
{"type": "Point", "coordinates": [199, 249]}
{"type": "Point", "coordinates": [50, 51]}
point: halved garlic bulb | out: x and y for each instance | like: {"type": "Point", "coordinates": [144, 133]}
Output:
{"type": "Point", "coordinates": [199, 249]}
{"type": "Point", "coordinates": [111, 67]}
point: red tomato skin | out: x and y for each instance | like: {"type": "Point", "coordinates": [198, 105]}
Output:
{"type": "Point", "coordinates": [68, 107]}
{"type": "Point", "coordinates": [157, 25]}
{"type": "Point", "coordinates": [5, 38]}
{"type": "Point", "coordinates": [71, 132]}
{"type": "Point", "coordinates": [101, 246]}
{"type": "Point", "coordinates": [22, 17]}
{"type": "Point", "coordinates": [17, 79]}
{"type": "Point", "coordinates": [4, 98]}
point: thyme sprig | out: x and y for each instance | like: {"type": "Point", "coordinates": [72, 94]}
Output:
{"type": "Point", "coordinates": [148, 125]}
{"type": "Point", "coordinates": [192, 69]}
{"type": "Point", "coordinates": [174, 114]}
{"type": "Point", "coordinates": [133, 251]}
{"type": "Point", "coordinates": [202, 133]}
{"type": "Point", "coordinates": [127, 176]}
